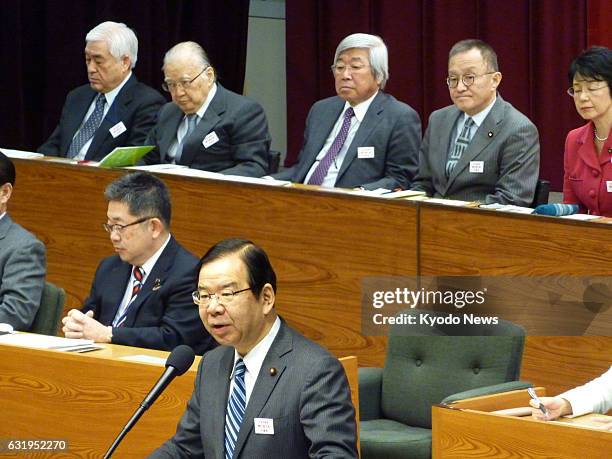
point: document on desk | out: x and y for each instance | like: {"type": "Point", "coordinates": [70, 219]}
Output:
{"type": "Point", "coordinates": [58, 343]}
{"type": "Point", "coordinates": [20, 154]}
{"type": "Point", "coordinates": [507, 208]}
{"type": "Point", "coordinates": [125, 156]}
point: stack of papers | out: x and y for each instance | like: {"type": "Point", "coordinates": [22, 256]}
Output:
{"type": "Point", "coordinates": [20, 154]}
{"type": "Point", "coordinates": [507, 208]}
{"type": "Point", "coordinates": [34, 341]}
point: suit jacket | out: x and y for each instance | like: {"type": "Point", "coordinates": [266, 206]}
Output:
{"type": "Point", "coordinates": [392, 127]}
{"type": "Point", "coordinates": [163, 314]}
{"type": "Point", "coordinates": [308, 400]}
{"type": "Point", "coordinates": [136, 106]}
{"type": "Point", "coordinates": [586, 172]}
{"type": "Point", "coordinates": [240, 125]}
{"type": "Point", "coordinates": [22, 274]}
{"type": "Point", "coordinates": [594, 397]}
{"type": "Point", "coordinates": [507, 143]}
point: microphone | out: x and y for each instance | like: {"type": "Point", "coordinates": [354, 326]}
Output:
{"type": "Point", "coordinates": [179, 361]}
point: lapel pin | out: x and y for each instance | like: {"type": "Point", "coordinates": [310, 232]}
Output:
{"type": "Point", "coordinates": [272, 371]}
{"type": "Point", "coordinates": [490, 134]}
{"type": "Point", "coordinates": [156, 284]}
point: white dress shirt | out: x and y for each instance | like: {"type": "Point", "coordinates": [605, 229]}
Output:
{"type": "Point", "coordinates": [478, 119]}
{"type": "Point", "coordinates": [594, 397]}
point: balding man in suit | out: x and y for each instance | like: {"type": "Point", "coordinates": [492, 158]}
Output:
{"type": "Point", "coordinates": [266, 391]}
{"type": "Point", "coordinates": [481, 148]}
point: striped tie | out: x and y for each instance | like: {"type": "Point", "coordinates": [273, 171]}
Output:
{"type": "Point", "coordinates": [235, 409]}
{"type": "Point", "coordinates": [89, 128]}
{"type": "Point", "coordinates": [192, 121]}
{"type": "Point", "coordinates": [461, 144]}
{"type": "Point", "coordinates": [138, 274]}
{"type": "Point", "coordinates": [137, 277]}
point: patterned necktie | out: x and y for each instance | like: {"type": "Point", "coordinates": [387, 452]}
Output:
{"type": "Point", "coordinates": [89, 128]}
{"type": "Point", "coordinates": [461, 144]}
{"type": "Point", "coordinates": [322, 168]}
{"type": "Point", "coordinates": [137, 277]}
{"type": "Point", "coordinates": [235, 409]}
{"type": "Point", "coordinates": [192, 121]}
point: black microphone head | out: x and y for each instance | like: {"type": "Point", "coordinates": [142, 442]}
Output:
{"type": "Point", "coordinates": [180, 358]}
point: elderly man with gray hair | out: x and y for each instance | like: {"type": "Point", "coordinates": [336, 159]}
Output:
{"type": "Point", "coordinates": [206, 126]}
{"type": "Point", "coordinates": [362, 137]}
{"type": "Point", "coordinates": [114, 109]}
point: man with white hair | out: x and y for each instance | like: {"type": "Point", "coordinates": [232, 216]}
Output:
{"type": "Point", "coordinates": [206, 126]}
{"type": "Point", "coordinates": [362, 137]}
{"type": "Point", "coordinates": [114, 109]}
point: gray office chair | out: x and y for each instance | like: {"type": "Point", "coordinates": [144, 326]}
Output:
{"type": "Point", "coordinates": [395, 401]}
{"type": "Point", "coordinates": [47, 319]}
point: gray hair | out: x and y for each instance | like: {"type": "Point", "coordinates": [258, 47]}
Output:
{"type": "Point", "coordinates": [377, 51]}
{"type": "Point", "coordinates": [486, 51]}
{"type": "Point", "coordinates": [120, 39]}
{"type": "Point", "coordinates": [144, 194]}
{"type": "Point", "coordinates": [187, 50]}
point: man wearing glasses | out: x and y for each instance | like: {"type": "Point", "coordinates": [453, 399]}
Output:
{"type": "Point", "coordinates": [114, 109]}
{"type": "Point", "coordinates": [363, 137]}
{"type": "Point", "coordinates": [481, 148]}
{"type": "Point", "coordinates": [206, 126]}
{"type": "Point", "coordinates": [266, 391]}
{"type": "Point", "coordinates": [142, 295]}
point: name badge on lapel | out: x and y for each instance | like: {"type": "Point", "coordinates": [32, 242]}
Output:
{"type": "Point", "coordinates": [476, 167]}
{"type": "Point", "coordinates": [264, 426]}
{"type": "Point", "coordinates": [365, 152]}
{"type": "Point", "coordinates": [117, 129]}
{"type": "Point", "coordinates": [210, 139]}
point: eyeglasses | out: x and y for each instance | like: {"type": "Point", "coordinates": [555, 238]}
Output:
{"type": "Point", "coordinates": [467, 80]}
{"type": "Point", "coordinates": [119, 228]}
{"type": "Point", "coordinates": [573, 92]}
{"type": "Point", "coordinates": [339, 69]}
{"type": "Point", "coordinates": [224, 297]}
{"type": "Point", "coordinates": [171, 86]}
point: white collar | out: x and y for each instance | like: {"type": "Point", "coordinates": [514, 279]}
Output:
{"type": "Point", "coordinates": [209, 98]}
{"type": "Point", "coordinates": [112, 94]}
{"type": "Point", "coordinates": [148, 265]}
{"type": "Point", "coordinates": [253, 360]}
{"type": "Point", "coordinates": [481, 115]}
{"type": "Point", "coordinates": [361, 108]}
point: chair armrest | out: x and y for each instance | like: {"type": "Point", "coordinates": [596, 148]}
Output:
{"type": "Point", "coordinates": [486, 390]}
{"type": "Point", "coordinates": [370, 388]}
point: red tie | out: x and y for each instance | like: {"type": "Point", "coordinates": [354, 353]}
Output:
{"type": "Point", "coordinates": [138, 274]}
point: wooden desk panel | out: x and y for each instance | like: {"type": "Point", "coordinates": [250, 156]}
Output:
{"type": "Point", "coordinates": [321, 244]}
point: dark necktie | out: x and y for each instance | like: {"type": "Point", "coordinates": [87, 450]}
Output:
{"type": "Point", "coordinates": [322, 168]}
{"type": "Point", "coordinates": [461, 145]}
{"type": "Point", "coordinates": [236, 406]}
{"type": "Point", "coordinates": [192, 121]}
{"type": "Point", "coordinates": [137, 277]}
{"type": "Point", "coordinates": [89, 128]}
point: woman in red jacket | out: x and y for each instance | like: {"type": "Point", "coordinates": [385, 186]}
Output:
{"type": "Point", "coordinates": [587, 180]}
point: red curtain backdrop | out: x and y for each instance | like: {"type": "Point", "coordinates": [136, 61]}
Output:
{"type": "Point", "coordinates": [599, 14]}
{"type": "Point", "coordinates": [535, 41]}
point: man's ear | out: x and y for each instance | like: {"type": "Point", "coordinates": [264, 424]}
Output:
{"type": "Point", "coordinates": [156, 226]}
{"type": "Point", "coordinates": [267, 297]}
{"type": "Point", "coordinates": [6, 191]}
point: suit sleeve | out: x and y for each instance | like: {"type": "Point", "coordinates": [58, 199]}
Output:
{"type": "Point", "coordinates": [402, 154]}
{"type": "Point", "coordinates": [519, 168]}
{"type": "Point", "coordinates": [145, 117]}
{"type": "Point", "coordinates": [154, 156]}
{"type": "Point", "coordinates": [326, 411]}
{"type": "Point", "coordinates": [187, 441]}
{"type": "Point", "coordinates": [250, 142]}
{"type": "Point", "coordinates": [423, 180]}
{"type": "Point", "coordinates": [22, 284]}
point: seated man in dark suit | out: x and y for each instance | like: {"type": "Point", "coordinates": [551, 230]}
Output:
{"type": "Point", "coordinates": [362, 137]}
{"type": "Point", "coordinates": [206, 126]}
{"type": "Point", "coordinates": [481, 148]}
{"type": "Point", "coordinates": [141, 296]}
{"type": "Point", "coordinates": [22, 261]}
{"type": "Point", "coordinates": [267, 391]}
{"type": "Point", "coordinates": [114, 109]}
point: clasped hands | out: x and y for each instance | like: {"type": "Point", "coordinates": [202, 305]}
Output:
{"type": "Point", "coordinates": [79, 325]}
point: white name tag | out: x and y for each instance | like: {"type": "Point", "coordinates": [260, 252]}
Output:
{"type": "Point", "coordinates": [609, 185]}
{"type": "Point", "coordinates": [476, 167]}
{"type": "Point", "coordinates": [117, 129]}
{"type": "Point", "coordinates": [210, 139]}
{"type": "Point", "coordinates": [365, 152]}
{"type": "Point", "coordinates": [264, 426]}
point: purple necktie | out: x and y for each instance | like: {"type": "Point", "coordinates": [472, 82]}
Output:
{"type": "Point", "coordinates": [322, 168]}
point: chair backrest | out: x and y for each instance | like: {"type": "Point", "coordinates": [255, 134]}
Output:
{"type": "Point", "coordinates": [274, 158]}
{"type": "Point", "coordinates": [541, 193]}
{"type": "Point", "coordinates": [47, 319]}
{"type": "Point", "coordinates": [423, 370]}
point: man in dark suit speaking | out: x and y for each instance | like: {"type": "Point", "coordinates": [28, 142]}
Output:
{"type": "Point", "coordinates": [266, 391]}
{"type": "Point", "coordinates": [114, 109]}
{"type": "Point", "coordinates": [142, 295]}
{"type": "Point", "coordinates": [206, 126]}
{"type": "Point", "coordinates": [362, 137]}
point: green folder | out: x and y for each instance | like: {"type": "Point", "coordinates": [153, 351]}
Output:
{"type": "Point", "coordinates": [125, 156]}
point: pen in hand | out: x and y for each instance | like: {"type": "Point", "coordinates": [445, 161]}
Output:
{"type": "Point", "coordinates": [538, 401]}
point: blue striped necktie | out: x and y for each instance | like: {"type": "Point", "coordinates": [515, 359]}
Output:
{"type": "Point", "coordinates": [461, 145]}
{"type": "Point", "coordinates": [235, 409]}
{"type": "Point", "coordinates": [192, 121]}
{"type": "Point", "coordinates": [89, 128]}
